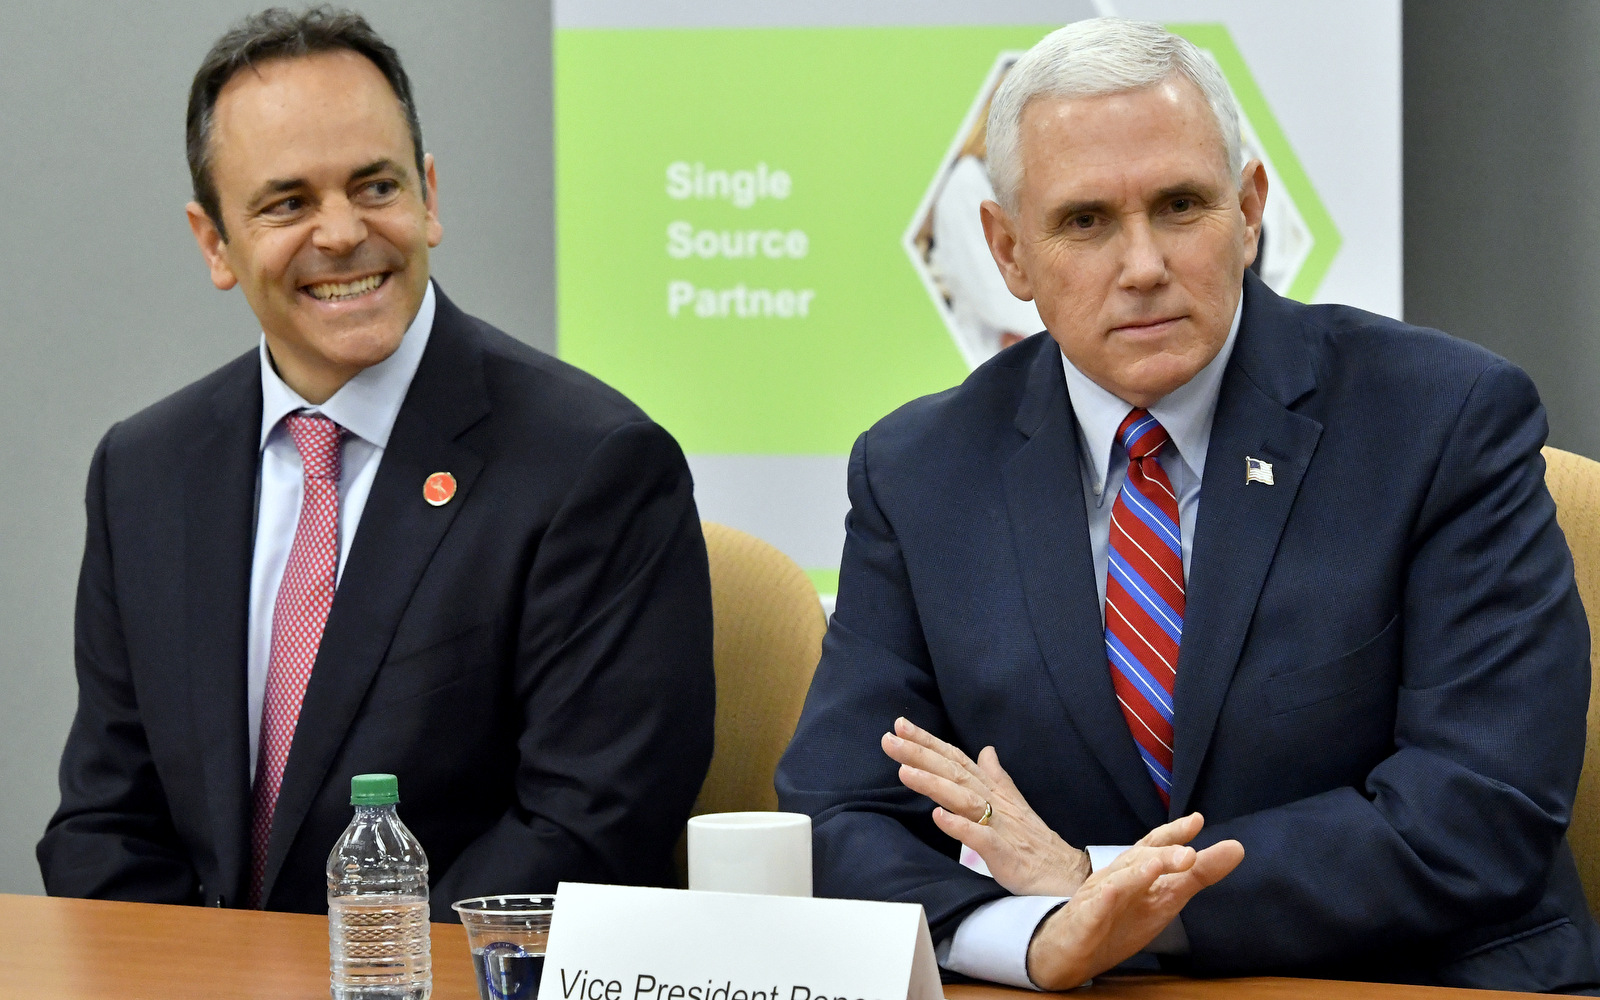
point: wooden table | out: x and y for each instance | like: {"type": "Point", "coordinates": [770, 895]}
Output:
{"type": "Point", "coordinates": [78, 949]}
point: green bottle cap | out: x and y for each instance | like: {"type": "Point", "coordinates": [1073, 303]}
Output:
{"type": "Point", "coordinates": [374, 790]}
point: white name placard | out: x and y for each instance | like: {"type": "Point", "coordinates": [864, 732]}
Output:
{"type": "Point", "coordinates": [610, 942]}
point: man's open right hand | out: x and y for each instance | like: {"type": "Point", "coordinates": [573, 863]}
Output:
{"type": "Point", "coordinates": [1122, 907]}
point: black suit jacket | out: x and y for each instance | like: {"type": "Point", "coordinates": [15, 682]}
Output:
{"type": "Point", "coordinates": [532, 659]}
{"type": "Point", "coordinates": [1381, 687]}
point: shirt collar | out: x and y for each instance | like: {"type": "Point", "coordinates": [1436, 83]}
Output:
{"type": "Point", "coordinates": [1186, 412]}
{"type": "Point", "coordinates": [368, 404]}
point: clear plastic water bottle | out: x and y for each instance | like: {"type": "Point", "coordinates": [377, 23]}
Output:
{"type": "Point", "coordinates": [378, 901]}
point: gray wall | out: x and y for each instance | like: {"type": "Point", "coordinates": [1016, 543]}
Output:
{"type": "Point", "coordinates": [105, 306]}
{"type": "Point", "coordinates": [1502, 190]}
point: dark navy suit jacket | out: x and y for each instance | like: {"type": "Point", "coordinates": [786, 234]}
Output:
{"type": "Point", "coordinates": [532, 659]}
{"type": "Point", "coordinates": [1381, 687]}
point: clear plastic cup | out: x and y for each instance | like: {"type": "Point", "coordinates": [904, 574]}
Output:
{"type": "Point", "coordinates": [507, 935]}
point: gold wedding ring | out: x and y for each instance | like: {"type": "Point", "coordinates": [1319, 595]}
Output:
{"type": "Point", "coordinates": [988, 813]}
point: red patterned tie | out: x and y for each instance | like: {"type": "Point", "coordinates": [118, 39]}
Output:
{"type": "Point", "coordinates": [1144, 597]}
{"type": "Point", "coordinates": [304, 597]}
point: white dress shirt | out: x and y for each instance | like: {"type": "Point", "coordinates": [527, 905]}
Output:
{"type": "Point", "coordinates": [366, 407]}
{"type": "Point", "coordinates": [992, 942]}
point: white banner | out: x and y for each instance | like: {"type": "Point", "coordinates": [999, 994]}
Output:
{"type": "Point", "coordinates": [767, 211]}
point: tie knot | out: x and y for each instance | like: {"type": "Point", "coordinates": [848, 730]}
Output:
{"type": "Point", "coordinates": [1142, 436]}
{"type": "Point", "coordinates": [317, 439]}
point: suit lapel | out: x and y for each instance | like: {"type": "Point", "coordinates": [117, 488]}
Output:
{"type": "Point", "coordinates": [1240, 522]}
{"type": "Point", "coordinates": [1050, 529]}
{"type": "Point", "coordinates": [398, 534]}
{"type": "Point", "coordinates": [218, 522]}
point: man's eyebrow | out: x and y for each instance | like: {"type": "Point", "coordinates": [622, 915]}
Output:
{"type": "Point", "coordinates": [273, 187]}
{"type": "Point", "coordinates": [1068, 209]}
{"type": "Point", "coordinates": [376, 167]}
{"type": "Point", "coordinates": [1191, 189]}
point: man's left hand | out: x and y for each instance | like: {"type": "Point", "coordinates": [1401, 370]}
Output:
{"type": "Point", "coordinates": [1023, 854]}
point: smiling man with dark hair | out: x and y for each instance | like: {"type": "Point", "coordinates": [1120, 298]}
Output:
{"type": "Point", "coordinates": [390, 539]}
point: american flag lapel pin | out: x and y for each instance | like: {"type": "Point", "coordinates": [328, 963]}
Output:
{"type": "Point", "coordinates": [1257, 471]}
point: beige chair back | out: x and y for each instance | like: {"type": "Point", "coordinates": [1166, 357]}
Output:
{"type": "Point", "coordinates": [1574, 482]}
{"type": "Point", "coordinates": [769, 626]}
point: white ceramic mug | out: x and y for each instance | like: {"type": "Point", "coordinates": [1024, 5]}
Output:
{"type": "Point", "coordinates": [767, 853]}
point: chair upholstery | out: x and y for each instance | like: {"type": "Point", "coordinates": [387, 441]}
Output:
{"type": "Point", "coordinates": [1574, 482]}
{"type": "Point", "coordinates": [769, 625]}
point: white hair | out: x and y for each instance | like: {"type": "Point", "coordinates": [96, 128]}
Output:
{"type": "Point", "coordinates": [1096, 58]}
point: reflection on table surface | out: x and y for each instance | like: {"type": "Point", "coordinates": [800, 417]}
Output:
{"type": "Point", "coordinates": [78, 949]}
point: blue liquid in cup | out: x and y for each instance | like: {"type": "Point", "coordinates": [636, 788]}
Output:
{"type": "Point", "coordinates": [507, 972]}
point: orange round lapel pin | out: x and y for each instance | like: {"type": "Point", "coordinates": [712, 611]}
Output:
{"type": "Point", "coordinates": [439, 488]}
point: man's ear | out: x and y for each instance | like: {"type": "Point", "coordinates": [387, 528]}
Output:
{"type": "Point", "coordinates": [211, 245]}
{"type": "Point", "coordinates": [430, 198]}
{"type": "Point", "coordinates": [1252, 201]}
{"type": "Point", "coordinates": [999, 229]}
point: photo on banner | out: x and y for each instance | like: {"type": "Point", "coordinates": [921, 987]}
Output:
{"type": "Point", "coordinates": [767, 230]}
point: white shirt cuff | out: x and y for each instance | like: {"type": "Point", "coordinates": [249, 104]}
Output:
{"type": "Point", "coordinates": [992, 942]}
{"type": "Point", "coordinates": [1101, 856]}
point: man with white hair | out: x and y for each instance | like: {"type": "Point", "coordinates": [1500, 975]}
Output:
{"type": "Point", "coordinates": [1199, 549]}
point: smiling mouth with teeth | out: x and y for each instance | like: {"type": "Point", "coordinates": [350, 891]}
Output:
{"type": "Point", "coordinates": [343, 291]}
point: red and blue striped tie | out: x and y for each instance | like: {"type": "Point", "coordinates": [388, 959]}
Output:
{"type": "Point", "coordinates": [1144, 596]}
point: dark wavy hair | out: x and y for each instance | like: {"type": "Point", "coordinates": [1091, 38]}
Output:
{"type": "Point", "coordinates": [277, 33]}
